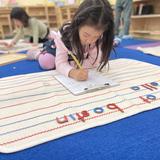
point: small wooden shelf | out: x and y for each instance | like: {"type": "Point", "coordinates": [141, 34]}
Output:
{"type": "Point", "coordinates": [140, 32]}
{"type": "Point", "coordinates": [52, 15]}
{"type": "Point", "coordinates": [146, 16]}
{"type": "Point", "coordinates": [37, 15]}
{"type": "Point", "coordinates": [66, 13]}
{"type": "Point", "coordinates": [140, 1]}
{"type": "Point", "coordinates": [146, 26]}
{"type": "Point", "coordinates": [52, 23]}
{"type": "Point", "coordinates": [5, 23]}
{"type": "Point", "coordinates": [2, 32]}
{"type": "Point", "coordinates": [146, 32]}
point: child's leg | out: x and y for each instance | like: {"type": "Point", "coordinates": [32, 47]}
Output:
{"type": "Point", "coordinates": [46, 61]}
{"type": "Point", "coordinates": [127, 16]}
{"type": "Point", "coordinates": [118, 12]}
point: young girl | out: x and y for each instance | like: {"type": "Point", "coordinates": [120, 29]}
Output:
{"type": "Point", "coordinates": [26, 25]}
{"type": "Point", "coordinates": [89, 36]}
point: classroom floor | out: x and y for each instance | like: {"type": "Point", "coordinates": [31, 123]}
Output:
{"type": "Point", "coordinates": [136, 137]}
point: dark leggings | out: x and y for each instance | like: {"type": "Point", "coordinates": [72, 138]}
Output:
{"type": "Point", "coordinates": [41, 40]}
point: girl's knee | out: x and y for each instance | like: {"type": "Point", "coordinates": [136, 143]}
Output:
{"type": "Point", "coordinates": [46, 61]}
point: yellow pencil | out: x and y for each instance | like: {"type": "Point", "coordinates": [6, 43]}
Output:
{"type": "Point", "coordinates": [75, 59]}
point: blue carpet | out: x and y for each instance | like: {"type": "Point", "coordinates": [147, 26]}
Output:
{"type": "Point", "coordinates": [121, 52]}
{"type": "Point", "coordinates": [133, 138]}
{"type": "Point", "coordinates": [129, 42]}
{"type": "Point", "coordinates": [22, 67]}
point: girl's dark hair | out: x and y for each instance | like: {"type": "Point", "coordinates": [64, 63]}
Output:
{"type": "Point", "coordinates": [20, 14]}
{"type": "Point", "coordinates": [97, 13]}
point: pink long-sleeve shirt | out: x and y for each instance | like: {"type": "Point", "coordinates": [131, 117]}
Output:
{"type": "Point", "coordinates": [62, 64]}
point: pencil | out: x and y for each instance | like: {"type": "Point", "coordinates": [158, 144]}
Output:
{"type": "Point", "coordinates": [75, 59]}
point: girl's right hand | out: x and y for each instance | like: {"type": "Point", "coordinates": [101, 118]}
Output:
{"type": "Point", "coordinates": [79, 74]}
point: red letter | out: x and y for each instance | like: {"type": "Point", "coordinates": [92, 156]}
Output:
{"type": "Point", "coordinates": [81, 117]}
{"type": "Point", "coordinates": [144, 99]}
{"type": "Point", "coordinates": [62, 120]}
{"type": "Point", "coordinates": [114, 106]}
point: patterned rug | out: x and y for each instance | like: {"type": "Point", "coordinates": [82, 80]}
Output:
{"type": "Point", "coordinates": [151, 44]}
{"type": "Point", "coordinates": [150, 50]}
{"type": "Point", "coordinates": [36, 108]}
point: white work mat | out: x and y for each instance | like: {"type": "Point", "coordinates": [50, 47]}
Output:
{"type": "Point", "coordinates": [36, 108]}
